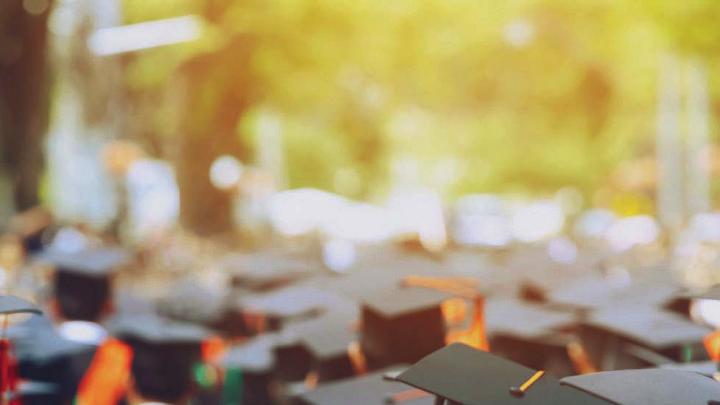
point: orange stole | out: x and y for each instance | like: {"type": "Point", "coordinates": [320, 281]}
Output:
{"type": "Point", "coordinates": [106, 380]}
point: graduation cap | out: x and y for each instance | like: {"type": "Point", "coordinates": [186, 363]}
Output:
{"type": "Point", "coordinates": [298, 351]}
{"type": "Point", "coordinates": [328, 348]}
{"type": "Point", "coordinates": [252, 363]}
{"type": "Point", "coordinates": [401, 325]}
{"type": "Point", "coordinates": [528, 321]}
{"type": "Point", "coordinates": [44, 356]}
{"type": "Point", "coordinates": [641, 337]}
{"type": "Point", "coordinates": [369, 389]}
{"type": "Point", "coordinates": [462, 375]}
{"type": "Point", "coordinates": [596, 293]}
{"type": "Point", "coordinates": [295, 303]}
{"type": "Point", "coordinates": [94, 262]}
{"type": "Point", "coordinates": [648, 386]}
{"type": "Point", "coordinates": [533, 335]}
{"type": "Point", "coordinates": [40, 348]}
{"type": "Point", "coordinates": [164, 354]}
{"type": "Point", "coordinates": [82, 284]}
{"type": "Point", "coordinates": [264, 271]}
{"type": "Point", "coordinates": [186, 301]}
{"type": "Point", "coordinates": [14, 305]}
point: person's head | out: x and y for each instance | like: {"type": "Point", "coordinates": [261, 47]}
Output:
{"type": "Point", "coordinates": [165, 353]}
{"type": "Point", "coordinates": [79, 297]}
{"type": "Point", "coordinates": [162, 372]}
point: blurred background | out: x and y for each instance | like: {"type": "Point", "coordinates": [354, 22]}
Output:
{"type": "Point", "coordinates": [472, 122]}
{"type": "Point", "coordinates": [269, 166]}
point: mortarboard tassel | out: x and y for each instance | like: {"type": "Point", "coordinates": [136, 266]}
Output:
{"type": "Point", "coordinates": [476, 335]}
{"type": "Point", "coordinates": [520, 391]}
{"type": "Point", "coordinates": [580, 359]}
{"type": "Point", "coordinates": [357, 358]}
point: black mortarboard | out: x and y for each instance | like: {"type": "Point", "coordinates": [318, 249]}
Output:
{"type": "Point", "coordinates": [529, 334]}
{"type": "Point", "coordinates": [44, 356]}
{"type": "Point", "coordinates": [401, 325]}
{"type": "Point", "coordinates": [640, 337]}
{"type": "Point", "coordinates": [254, 360]}
{"type": "Point", "coordinates": [648, 387]}
{"type": "Point", "coordinates": [522, 319]}
{"type": "Point", "coordinates": [253, 355]}
{"type": "Point", "coordinates": [328, 348]}
{"type": "Point", "coordinates": [154, 329]}
{"type": "Point", "coordinates": [264, 271]}
{"type": "Point", "coordinates": [536, 280]}
{"type": "Point", "coordinates": [467, 376]}
{"type": "Point", "coordinates": [187, 301]}
{"type": "Point", "coordinates": [82, 283]}
{"type": "Point", "coordinates": [95, 262]}
{"type": "Point", "coordinates": [294, 303]}
{"type": "Point", "coordinates": [14, 305]}
{"type": "Point", "coordinates": [370, 389]}
{"type": "Point", "coordinates": [597, 293]}
{"type": "Point", "coordinates": [297, 351]}
{"type": "Point", "coordinates": [657, 329]}
{"type": "Point", "coordinates": [164, 354]}
{"type": "Point", "coordinates": [368, 279]}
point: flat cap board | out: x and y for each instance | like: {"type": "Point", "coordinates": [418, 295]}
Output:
{"type": "Point", "coordinates": [648, 387]}
{"type": "Point", "coordinates": [370, 389]}
{"type": "Point", "coordinates": [598, 293]}
{"type": "Point", "coordinates": [707, 368]}
{"type": "Point", "coordinates": [265, 265]}
{"type": "Point", "coordinates": [152, 328]}
{"type": "Point", "coordinates": [10, 304]}
{"type": "Point", "coordinates": [254, 355]}
{"type": "Point", "coordinates": [329, 342]}
{"type": "Point", "coordinates": [396, 302]}
{"type": "Point", "coordinates": [469, 263]}
{"type": "Point", "coordinates": [549, 280]}
{"type": "Point", "coordinates": [188, 301]}
{"type": "Point", "coordinates": [295, 301]}
{"type": "Point", "coordinates": [473, 377]}
{"type": "Point", "coordinates": [520, 319]}
{"type": "Point", "coordinates": [655, 328]}
{"type": "Point", "coordinates": [97, 262]}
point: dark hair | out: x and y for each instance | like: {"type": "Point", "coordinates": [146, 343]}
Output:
{"type": "Point", "coordinates": [81, 298]}
{"type": "Point", "coordinates": [163, 373]}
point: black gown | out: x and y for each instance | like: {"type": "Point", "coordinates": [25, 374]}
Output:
{"type": "Point", "coordinates": [44, 356]}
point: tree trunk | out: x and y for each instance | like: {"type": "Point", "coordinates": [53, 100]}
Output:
{"type": "Point", "coordinates": [204, 209]}
{"type": "Point", "coordinates": [24, 97]}
{"type": "Point", "coordinates": [218, 94]}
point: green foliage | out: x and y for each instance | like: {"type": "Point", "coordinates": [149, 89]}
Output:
{"type": "Point", "coordinates": [362, 85]}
